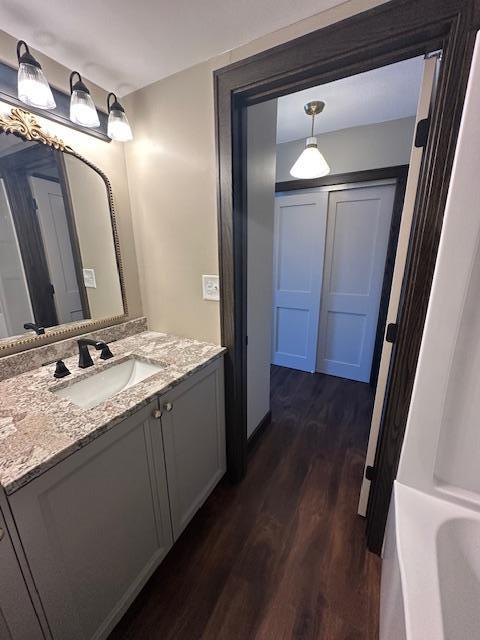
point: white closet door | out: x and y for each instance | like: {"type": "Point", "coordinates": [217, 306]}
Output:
{"type": "Point", "coordinates": [58, 248]}
{"type": "Point", "coordinates": [358, 229]}
{"type": "Point", "coordinates": [299, 245]}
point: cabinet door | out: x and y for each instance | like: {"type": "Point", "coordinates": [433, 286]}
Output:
{"type": "Point", "coordinates": [17, 615]}
{"type": "Point", "coordinates": [193, 425]}
{"type": "Point", "coordinates": [96, 526]}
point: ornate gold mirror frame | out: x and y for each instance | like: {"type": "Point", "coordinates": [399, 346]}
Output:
{"type": "Point", "coordinates": [23, 124]}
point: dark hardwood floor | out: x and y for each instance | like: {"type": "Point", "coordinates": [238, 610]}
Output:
{"type": "Point", "coordinates": [282, 555]}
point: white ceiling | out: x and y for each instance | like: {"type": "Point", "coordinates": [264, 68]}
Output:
{"type": "Point", "coordinates": [123, 45]}
{"type": "Point", "coordinates": [379, 95]}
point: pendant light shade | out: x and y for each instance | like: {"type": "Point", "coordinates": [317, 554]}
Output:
{"type": "Point", "coordinates": [33, 88]}
{"type": "Point", "coordinates": [82, 107]}
{"type": "Point", "coordinates": [118, 126]}
{"type": "Point", "coordinates": [311, 163]}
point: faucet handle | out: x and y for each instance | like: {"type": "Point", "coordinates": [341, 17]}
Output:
{"type": "Point", "coordinates": [31, 326]}
{"type": "Point", "coordinates": [61, 370]}
{"type": "Point", "coordinates": [106, 353]}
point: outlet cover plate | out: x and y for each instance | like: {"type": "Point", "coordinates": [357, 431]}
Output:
{"type": "Point", "coordinates": [89, 279]}
{"type": "Point", "coordinates": [211, 287]}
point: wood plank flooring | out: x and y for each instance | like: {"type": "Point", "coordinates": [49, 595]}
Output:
{"type": "Point", "coordinates": [282, 555]}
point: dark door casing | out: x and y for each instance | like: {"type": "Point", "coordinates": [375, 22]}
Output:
{"type": "Point", "coordinates": [393, 31]}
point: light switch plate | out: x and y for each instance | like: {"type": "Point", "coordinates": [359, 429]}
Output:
{"type": "Point", "coordinates": [89, 279]}
{"type": "Point", "coordinates": [211, 287]}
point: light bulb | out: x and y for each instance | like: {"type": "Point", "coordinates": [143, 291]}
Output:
{"type": "Point", "coordinates": [118, 126]}
{"type": "Point", "coordinates": [82, 107]}
{"type": "Point", "coordinates": [33, 88]}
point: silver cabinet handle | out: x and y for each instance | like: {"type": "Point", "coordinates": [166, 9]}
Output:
{"type": "Point", "coordinates": [157, 414]}
{"type": "Point", "coordinates": [168, 406]}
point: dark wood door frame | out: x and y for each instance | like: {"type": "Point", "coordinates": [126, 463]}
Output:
{"type": "Point", "coordinates": [399, 173]}
{"type": "Point", "coordinates": [391, 32]}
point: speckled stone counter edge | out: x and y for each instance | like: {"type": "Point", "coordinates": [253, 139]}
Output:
{"type": "Point", "coordinates": [39, 428]}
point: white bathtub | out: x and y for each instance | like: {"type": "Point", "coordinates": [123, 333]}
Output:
{"type": "Point", "coordinates": [431, 569]}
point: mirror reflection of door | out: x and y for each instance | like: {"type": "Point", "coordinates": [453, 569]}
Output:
{"type": "Point", "coordinates": [58, 258]}
{"type": "Point", "coordinates": [35, 188]}
{"type": "Point", "coordinates": [15, 305]}
{"type": "Point", "coordinates": [58, 248]}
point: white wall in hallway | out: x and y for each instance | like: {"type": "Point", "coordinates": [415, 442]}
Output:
{"type": "Point", "coordinates": [261, 147]}
{"type": "Point", "coordinates": [386, 144]}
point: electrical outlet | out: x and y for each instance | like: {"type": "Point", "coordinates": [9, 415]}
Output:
{"type": "Point", "coordinates": [211, 288]}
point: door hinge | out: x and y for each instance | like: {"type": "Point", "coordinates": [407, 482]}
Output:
{"type": "Point", "coordinates": [391, 334]}
{"type": "Point", "coordinates": [370, 473]}
{"type": "Point", "coordinates": [35, 204]}
{"type": "Point", "coordinates": [421, 135]}
{"type": "Point", "coordinates": [51, 289]}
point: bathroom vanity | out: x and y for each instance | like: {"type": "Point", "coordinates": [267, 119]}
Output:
{"type": "Point", "coordinates": [96, 495]}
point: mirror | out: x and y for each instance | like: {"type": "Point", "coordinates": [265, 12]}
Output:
{"type": "Point", "coordinates": [59, 261]}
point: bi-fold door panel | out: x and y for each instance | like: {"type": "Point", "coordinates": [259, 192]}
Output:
{"type": "Point", "coordinates": [299, 241]}
{"type": "Point", "coordinates": [358, 229]}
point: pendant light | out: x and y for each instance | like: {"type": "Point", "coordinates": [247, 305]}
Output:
{"type": "Point", "coordinates": [311, 163]}
{"type": "Point", "coordinates": [33, 88]}
{"type": "Point", "coordinates": [118, 125]}
{"type": "Point", "coordinates": [82, 108]}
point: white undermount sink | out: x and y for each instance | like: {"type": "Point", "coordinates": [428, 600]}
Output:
{"type": "Point", "coordinates": [105, 384]}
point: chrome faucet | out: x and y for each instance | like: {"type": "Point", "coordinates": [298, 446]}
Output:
{"type": "Point", "coordinates": [85, 359]}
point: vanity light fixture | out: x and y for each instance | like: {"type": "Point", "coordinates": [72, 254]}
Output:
{"type": "Point", "coordinates": [32, 88]}
{"type": "Point", "coordinates": [311, 163]}
{"type": "Point", "coordinates": [82, 108]}
{"type": "Point", "coordinates": [118, 126]}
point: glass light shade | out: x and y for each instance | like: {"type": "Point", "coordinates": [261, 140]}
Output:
{"type": "Point", "coordinates": [82, 109]}
{"type": "Point", "coordinates": [33, 88]}
{"type": "Point", "coordinates": [118, 126]}
{"type": "Point", "coordinates": [310, 163]}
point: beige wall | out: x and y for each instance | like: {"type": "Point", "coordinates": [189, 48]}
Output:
{"type": "Point", "coordinates": [171, 169]}
{"type": "Point", "coordinates": [172, 175]}
{"type": "Point", "coordinates": [109, 157]}
{"type": "Point", "coordinates": [386, 144]}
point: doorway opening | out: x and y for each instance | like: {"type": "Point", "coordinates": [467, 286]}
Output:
{"type": "Point", "coordinates": [322, 252]}
{"type": "Point", "coordinates": [396, 31]}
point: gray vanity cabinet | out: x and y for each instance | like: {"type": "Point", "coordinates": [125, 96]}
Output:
{"type": "Point", "coordinates": [17, 614]}
{"type": "Point", "coordinates": [193, 426]}
{"type": "Point", "coordinates": [95, 526]}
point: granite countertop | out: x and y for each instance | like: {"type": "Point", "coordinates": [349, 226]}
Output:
{"type": "Point", "coordinates": [38, 429]}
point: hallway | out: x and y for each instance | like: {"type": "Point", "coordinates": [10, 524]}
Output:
{"type": "Point", "coordinates": [282, 555]}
